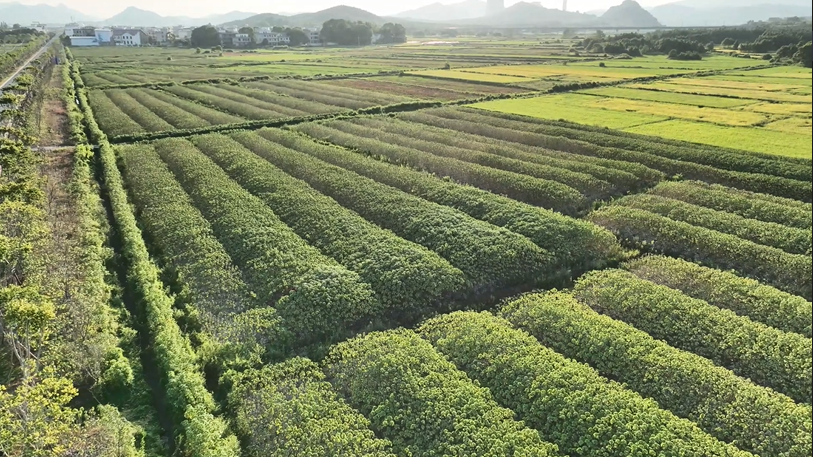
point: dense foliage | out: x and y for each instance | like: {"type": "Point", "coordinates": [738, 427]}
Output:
{"type": "Point", "coordinates": [567, 402]}
{"type": "Point", "coordinates": [420, 402]}
{"type": "Point", "coordinates": [763, 354]}
{"type": "Point", "coordinates": [290, 409]}
{"type": "Point", "coordinates": [726, 406]}
{"type": "Point", "coordinates": [726, 290]}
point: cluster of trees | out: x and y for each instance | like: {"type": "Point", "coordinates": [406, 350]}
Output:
{"type": "Point", "coordinates": [636, 45]}
{"type": "Point", "coordinates": [348, 33]}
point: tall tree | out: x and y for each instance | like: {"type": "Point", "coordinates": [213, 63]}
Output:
{"type": "Point", "coordinates": [347, 33]}
{"type": "Point", "coordinates": [392, 33]}
{"type": "Point", "coordinates": [205, 36]}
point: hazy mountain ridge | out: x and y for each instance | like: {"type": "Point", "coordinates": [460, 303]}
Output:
{"type": "Point", "coordinates": [686, 14]}
{"type": "Point", "coordinates": [629, 14]}
{"type": "Point", "coordinates": [133, 16]}
{"type": "Point", "coordinates": [17, 13]}
{"type": "Point", "coordinates": [438, 12]}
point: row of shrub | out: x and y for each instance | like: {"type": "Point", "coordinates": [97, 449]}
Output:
{"type": "Point", "coordinates": [200, 432]}
{"type": "Point", "coordinates": [569, 403]}
{"type": "Point", "coordinates": [624, 176]}
{"type": "Point", "coordinates": [315, 296]}
{"type": "Point", "coordinates": [726, 406]}
{"type": "Point", "coordinates": [727, 159]}
{"type": "Point", "coordinates": [344, 97]}
{"type": "Point", "coordinates": [576, 245]}
{"type": "Point", "coordinates": [746, 297]}
{"type": "Point", "coordinates": [492, 258]}
{"type": "Point", "coordinates": [540, 192]}
{"type": "Point", "coordinates": [750, 205]}
{"type": "Point", "coordinates": [478, 124]}
{"type": "Point", "coordinates": [788, 239]}
{"type": "Point", "coordinates": [770, 357]}
{"type": "Point", "coordinates": [419, 401]}
{"type": "Point", "coordinates": [591, 187]}
{"type": "Point", "coordinates": [290, 409]}
{"type": "Point", "coordinates": [651, 232]}
{"type": "Point", "coordinates": [405, 277]}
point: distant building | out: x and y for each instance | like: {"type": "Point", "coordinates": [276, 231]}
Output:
{"type": "Point", "coordinates": [494, 6]}
{"type": "Point", "coordinates": [104, 37]}
{"type": "Point", "coordinates": [266, 37]}
{"type": "Point", "coordinates": [226, 38]}
{"type": "Point", "coordinates": [81, 35]}
{"type": "Point", "coordinates": [157, 35]}
{"type": "Point", "coordinates": [241, 39]}
{"type": "Point", "coordinates": [129, 37]}
{"type": "Point", "coordinates": [314, 36]}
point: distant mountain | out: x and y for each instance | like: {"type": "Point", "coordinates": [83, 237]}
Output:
{"type": "Point", "coordinates": [16, 13]}
{"type": "Point", "coordinates": [708, 4]}
{"type": "Point", "coordinates": [524, 14]}
{"type": "Point", "coordinates": [684, 14]}
{"type": "Point", "coordinates": [628, 14]}
{"type": "Point", "coordinates": [318, 18]}
{"type": "Point", "coordinates": [438, 12]}
{"type": "Point", "coordinates": [133, 16]}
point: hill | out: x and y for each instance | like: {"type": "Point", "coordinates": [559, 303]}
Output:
{"type": "Point", "coordinates": [532, 14]}
{"type": "Point", "coordinates": [308, 19]}
{"type": "Point", "coordinates": [438, 12]}
{"type": "Point", "coordinates": [16, 13]}
{"type": "Point", "coordinates": [690, 13]}
{"type": "Point", "coordinates": [628, 14]}
{"type": "Point", "coordinates": [133, 16]}
{"type": "Point", "coordinates": [258, 20]}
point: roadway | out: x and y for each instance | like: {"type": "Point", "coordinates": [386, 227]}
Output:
{"type": "Point", "coordinates": [22, 67]}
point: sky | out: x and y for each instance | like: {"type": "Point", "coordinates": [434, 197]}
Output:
{"type": "Point", "coordinates": [198, 8]}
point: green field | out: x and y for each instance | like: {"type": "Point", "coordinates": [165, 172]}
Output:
{"type": "Point", "coordinates": [469, 76]}
{"type": "Point", "coordinates": [709, 63]}
{"type": "Point", "coordinates": [748, 139]}
{"type": "Point", "coordinates": [666, 97]}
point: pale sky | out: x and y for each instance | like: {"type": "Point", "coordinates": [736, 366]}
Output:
{"type": "Point", "coordinates": [197, 8]}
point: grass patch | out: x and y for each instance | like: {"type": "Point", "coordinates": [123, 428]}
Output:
{"type": "Point", "coordinates": [695, 113]}
{"type": "Point", "coordinates": [795, 125]}
{"type": "Point", "coordinates": [666, 97]}
{"type": "Point", "coordinates": [467, 76]}
{"type": "Point", "coordinates": [674, 86]}
{"type": "Point", "coordinates": [782, 109]}
{"type": "Point", "coordinates": [594, 71]}
{"type": "Point", "coordinates": [708, 63]}
{"type": "Point", "coordinates": [745, 138]}
{"type": "Point", "coordinates": [738, 85]}
{"type": "Point", "coordinates": [795, 82]}
{"type": "Point", "coordinates": [573, 108]}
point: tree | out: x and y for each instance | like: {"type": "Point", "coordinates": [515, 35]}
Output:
{"type": "Point", "coordinates": [804, 55]}
{"type": "Point", "coordinates": [205, 36]}
{"type": "Point", "coordinates": [392, 33]}
{"type": "Point", "coordinates": [297, 37]}
{"type": "Point", "coordinates": [347, 33]}
{"type": "Point", "coordinates": [248, 31]}
{"type": "Point", "coordinates": [728, 42]}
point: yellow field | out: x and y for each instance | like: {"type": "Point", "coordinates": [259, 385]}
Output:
{"type": "Point", "coordinates": [784, 72]}
{"type": "Point", "coordinates": [739, 85]}
{"type": "Point", "coordinates": [667, 97]}
{"type": "Point", "coordinates": [796, 125]}
{"type": "Point", "coordinates": [715, 115]}
{"type": "Point", "coordinates": [467, 76]}
{"type": "Point", "coordinates": [720, 91]}
{"type": "Point", "coordinates": [745, 138]}
{"type": "Point", "coordinates": [544, 71]}
{"type": "Point", "coordinates": [569, 107]}
{"type": "Point", "coordinates": [783, 109]}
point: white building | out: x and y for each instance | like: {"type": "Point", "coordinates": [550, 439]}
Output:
{"type": "Point", "coordinates": [182, 33]}
{"type": "Point", "coordinates": [129, 37]}
{"type": "Point", "coordinates": [157, 35]}
{"type": "Point", "coordinates": [81, 35]}
{"type": "Point", "coordinates": [265, 36]}
{"type": "Point", "coordinates": [241, 39]}
{"type": "Point", "coordinates": [104, 36]}
{"type": "Point", "coordinates": [314, 36]}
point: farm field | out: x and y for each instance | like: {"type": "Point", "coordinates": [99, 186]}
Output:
{"type": "Point", "coordinates": [354, 251]}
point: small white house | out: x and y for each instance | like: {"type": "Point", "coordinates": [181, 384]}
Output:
{"type": "Point", "coordinates": [129, 37]}
{"type": "Point", "coordinates": [104, 36]}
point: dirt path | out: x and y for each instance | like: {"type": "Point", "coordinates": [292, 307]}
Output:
{"type": "Point", "coordinates": [53, 115]}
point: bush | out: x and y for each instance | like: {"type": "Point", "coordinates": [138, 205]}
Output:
{"type": "Point", "coordinates": [602, 64]}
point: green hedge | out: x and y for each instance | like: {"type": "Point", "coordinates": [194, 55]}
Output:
{"type": "Point", "coordinates": [726, 406]}
{"type": "Point", "coordinates": [422, 403]}
{"type": "Point", "coordinates": [788, 239]}
{"type": "Point", "coordinates": [218, 300]}
{"type": "Point", "coordinates": [544, 193]}
{"type": "Point", "coordinates": [726, 159]}
{"type": "Point", "coordinates": [289, 409]}
{"type": "Point", "coordinates": [406, 147]}
{"type": "Point", "coordinates": [491, 257]}
{"type": "Point", "coordinates": [200, 433]}
{"type": "Point", "coordinates": [745, 297]}
{"type": "Point", "coordinates": [576, 245]}
{"type": "Point", "coordinates": [316, 297]}
{"type": "Point", "coordinates": [469, 122]}
{"type": "Point", "coordinates": [789, 272]}
{"type": "Point", "coordinates": [625, 176]}
{"type": "Point", "coordinates": [405, 276]}
{"type": "Point", "coordinates": [567, 402]}
{"type": "Point", "coordinates": [767, 356]}
{"type": "Point", "coordinates": [766, 208]}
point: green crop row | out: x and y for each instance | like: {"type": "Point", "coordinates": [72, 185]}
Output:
{"type": "Point", "coordinates": [290, 409]}
{"type": "Point", "coordinates": [405, 276]}
{"type": "Point", "coordinates": [491, 257]}
{"type": "Point", "coordinates": [477, 124]}
{"type": "Point", "coordinates": [527, 189]}
{"type": "Point", "coordinates": [303, 106]}
{"type": "Point", "coordinates": [767, 208]}
{"type": "Point", "coordinates": [147, 119]}
{"type": "Point", "coordinates": [767, 356]}
{"type": "Point", "coordinates": [212, 116]}
{"type": "Point", "coordinates": [200, 433]}
{"type": "Point", "coordinates": [591, 187]}
{"type": "Point", "coordinates": [332, 95]}
{"type": "Point", "coordinates": [788, 239]}
{"type": "Point", "coordinates": [171, 114]}
{"type": "Point", "coordinates": [726, 159]}
{"type": "Point", "coordinates": [726, 406]}
{"type": "Point", "coordinates": [112, 119]}
{"type": "Point", "coordinates": [315, 296]}
{"type": "Point", "coordinates": [217, 299]}
{"type": "Point", "coordinates": [419, 401]}
{"type": "Point", "coordinates": [569, 403]}
{"type": "Point", "coordinates": [576, 245]}
{"type": "Point", "coordinates": [745, 297]}
{"type": "Point", "coordinates": [240, 108]}
{"type": "Point", "coordinates": [624, 176]}
{"type": "Point", "coordinates": [651, 232]}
